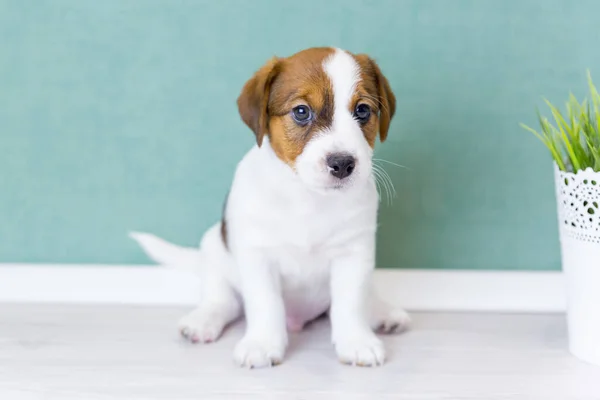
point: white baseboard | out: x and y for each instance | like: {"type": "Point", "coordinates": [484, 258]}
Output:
{"type": "Point", "coordinates": [419, 290]}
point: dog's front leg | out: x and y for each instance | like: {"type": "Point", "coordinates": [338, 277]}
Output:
{"type": "Point", "coordinates": [354, 340]}
{"type": "Point", "coordinates": [265, 340]}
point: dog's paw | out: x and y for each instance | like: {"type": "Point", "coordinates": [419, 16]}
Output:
{"type": "Point", "coordinates": [364, 350]}
{"type": "Point", "coordinates": [258, 353]}
{"type": "Point", "coordinates": [391, 321]}
{"type": "Point", "coordinates": [198, 327]}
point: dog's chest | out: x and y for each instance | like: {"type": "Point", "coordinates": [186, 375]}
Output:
{"type": "Point", "coordinates": [308, 225]}
{"type": "Point", "coordinates": [303, 253]}
{"type": "Point", "coordinates": [304, 276]}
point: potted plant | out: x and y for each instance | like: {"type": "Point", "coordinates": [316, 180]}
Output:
{"type": "Point", "coordinates": [574, 142]}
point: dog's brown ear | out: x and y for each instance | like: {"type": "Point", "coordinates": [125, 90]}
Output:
{"type": "Point", "coordinates": [387, 100]}
{"type": "Point", "coordinates": [253, 102]}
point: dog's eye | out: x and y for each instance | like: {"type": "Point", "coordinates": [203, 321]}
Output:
{"type": "Point", "coordinates": [301, 114]}
{"type": "Point", "coordinates": [362, 113]}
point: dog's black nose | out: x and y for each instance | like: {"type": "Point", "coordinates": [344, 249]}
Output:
{"type": "Point", "coordinates": [341, 165]}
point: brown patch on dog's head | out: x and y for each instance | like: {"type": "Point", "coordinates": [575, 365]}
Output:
{"type": "Point", "coordinates": [270, 96]}
{"type": "Point", "coordinates": [253, 101]}
{"type": "Point", "coordinates": [375, 91]}
{"type": "Point", "coordinates": [268, 100]}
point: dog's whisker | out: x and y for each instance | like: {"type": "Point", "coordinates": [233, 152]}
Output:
{"type": "Point", "coordinates": [381, 185]}
{"type": "Point", "coordinates": [391, 182]}
{"type": "Point", "coordinates": [391, 163]}
{"type": "Point", "coordinates": [386, 182]}
{"type": "Point", "coordinates": [386, 174]}
{"type": "Point", "coordinates": [377, 185]}
{"type": "Point", "coordinates": [393, 193]}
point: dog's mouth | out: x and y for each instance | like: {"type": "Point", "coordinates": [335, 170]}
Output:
{"type": "Point", "coordinates": [340, 184]}
{"type": "Point", "coordinates": [331, 187]}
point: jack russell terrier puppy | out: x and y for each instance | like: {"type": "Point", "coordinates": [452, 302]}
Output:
{"type": "Point", "coordinates": [297, 236]}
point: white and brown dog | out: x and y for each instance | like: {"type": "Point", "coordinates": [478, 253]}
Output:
{"type": "Point", "coordinates": [297, 237]}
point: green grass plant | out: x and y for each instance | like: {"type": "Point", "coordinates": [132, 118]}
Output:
{"type": "Point", "coordinates": [573, 139]}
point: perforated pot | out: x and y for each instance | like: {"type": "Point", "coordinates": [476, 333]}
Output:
{"type": "Point", "coordinates": [578, 200]}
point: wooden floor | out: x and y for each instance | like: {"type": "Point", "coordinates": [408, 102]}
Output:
{"type": "Point", "coordinates": [130, 353]}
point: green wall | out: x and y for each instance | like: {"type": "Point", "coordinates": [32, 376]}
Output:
{"type": "Point", "coordinates": [120, 114]}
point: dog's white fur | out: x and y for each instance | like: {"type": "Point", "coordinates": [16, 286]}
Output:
{"type": "Point", "coordinates": [299, 245]}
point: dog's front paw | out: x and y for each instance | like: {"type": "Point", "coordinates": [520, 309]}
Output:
{"type": "Point", "coordinates": [364, 350]}
{"type": "Point", "coordinates": [201, 327]}
{"type": "Point", "coordinates": [391, 321]}
{"type": "Point", "coordinates": [251, 352]}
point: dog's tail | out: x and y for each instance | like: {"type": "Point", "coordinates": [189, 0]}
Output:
{"type": "Point", "coordinates": [167, 254]}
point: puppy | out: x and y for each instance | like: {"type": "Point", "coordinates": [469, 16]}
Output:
{"type": "Point", "coordinates": [297, 236]}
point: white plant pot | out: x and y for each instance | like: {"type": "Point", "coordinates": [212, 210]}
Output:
{"type": "Point", "coordinates": [578, 198]}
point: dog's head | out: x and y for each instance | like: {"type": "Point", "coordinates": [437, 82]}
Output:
{"type": "Point", "coordinates": [321, 110]}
